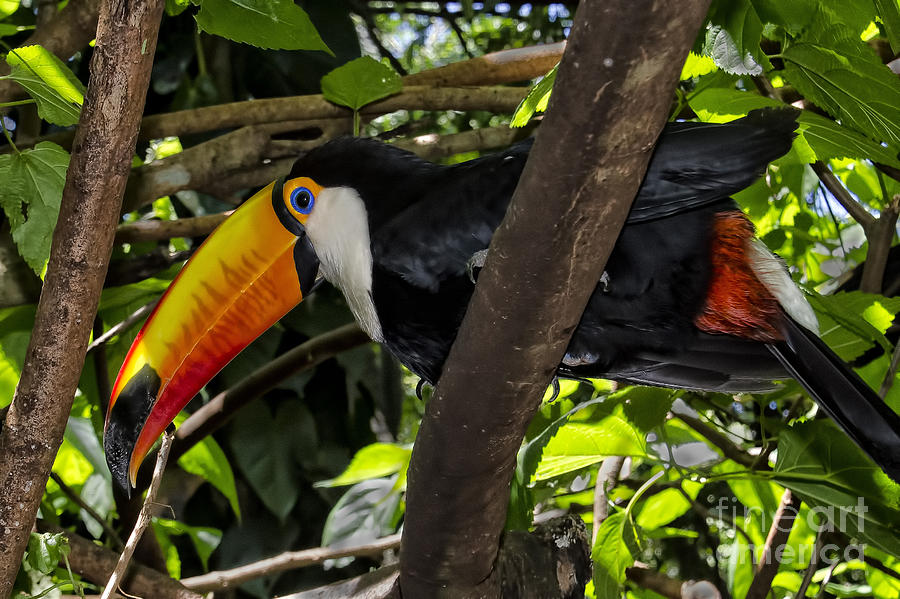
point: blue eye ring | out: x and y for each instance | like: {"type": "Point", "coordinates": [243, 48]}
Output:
{"type": "Point", "coordinates": [302, 200]}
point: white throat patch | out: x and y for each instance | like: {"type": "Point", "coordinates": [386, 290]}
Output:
{"type": "Point", "coordinates": [338, 228]}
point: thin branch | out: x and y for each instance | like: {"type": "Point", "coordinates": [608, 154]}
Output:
{"type": "Point", "coordinates": [76, 498]}
{"type": "Point", "coordinates": [95, 563]}
{"type": "Point", "coordinates": [607, 476]}
{"type": "Point", "coordinates": [289, 560]}
{"type": "Point", "coordinates": [132, 270]}
{"type": "Point", "coordinates": [652, 580]}
{"type": "Point", "coordinates": [372, 29]}
{"type": "Point", "coordinates": [159, 230]}
{"type": "Point", "coordinates": [813, 564]}
{"type": "Point", "coordinates": [891, 375]}
{"type": "Point", "coordinates": [120, 327]}
{"type": "Point", "coordinates": [144, 518]}
{"type": "Point", "coordinates": [717, 439]}
{"type": "Point", "coordinates": [770, 559]}
{"type": "Point", "coordinates": [840, 193]}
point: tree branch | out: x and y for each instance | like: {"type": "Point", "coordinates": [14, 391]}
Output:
{"type": "Point", "coordinates": [82, 243]}
{"type": "Point", "coordinates": [95, 563]}
{"type": "Point", "coordinates": [723, 443]}
{"type": "Point", "coordinates": [289, 560]}
{"type": "Point", "coordinates": [535, 284]}
{"type": "Point", "coordinates": [770, 559]}
{"type": "Point", "coordinates": [76, 498]}
{"type": "Point", "coordinates": [506, 66]}
{"type": "Point", "coordinates": [840, 193]}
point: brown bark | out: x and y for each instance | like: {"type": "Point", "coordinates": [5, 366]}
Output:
{"type": "Point", "coordinates": [66, 33]}
{"type": "Point", "coordinates": [506, 66]}
{"type": "Point", "coordinates": [96, 564]}
{"type": "Point", "coordinates": [82, 243]}
{"type": "Point", "coordinates": [770, 560]}
{"type": "Point", "coordinates": [611, 100]}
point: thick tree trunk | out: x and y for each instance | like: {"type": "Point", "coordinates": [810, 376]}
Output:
{"type": "Point", "coordinates": [82, 243]}
{"type": "Point", "coordinates": [611, 100]}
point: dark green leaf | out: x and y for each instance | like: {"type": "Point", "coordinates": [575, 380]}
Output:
{"type": "Point", "coordinates": [274, 24]}
{"type": "Point", "coordinates": [367, 511]}
{"type": "Point", "coordinates": [733, 39]}
{"type": "Point", "coordinates": [33, 178]}
{"type": "Point", "coordinates": [58, 93]}
{"type": "Point", "coordinates": [793, 16]}
{"type": "Point", "coordinates": [536, 100]}
{"type": "Point", "coordinates": [360, 82]}
{"type": "Point", "coordinates": [647, 407]}
{"type": "Point", "coordinates": [204, 538]}
{"type": "Point", "coordinates": [834, 477]}
{"type": "Point", "coordinates": [207, 460]}
{"type": "Point", "coordinates": [46, 550]}
{"type": "Point", "coordinates": [889, 11]}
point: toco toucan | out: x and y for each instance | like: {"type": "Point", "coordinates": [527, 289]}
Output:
{"type": "Point", "coordinates": [689, 299]}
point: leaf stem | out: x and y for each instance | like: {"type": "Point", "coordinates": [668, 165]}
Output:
{"type": "Point", "coordinates": [356, 123]}
{"type": "Point", "coordinates": [16, 103]}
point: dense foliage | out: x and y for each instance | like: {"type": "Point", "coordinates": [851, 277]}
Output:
{"type": "Point", "coordinates": [320, 460]}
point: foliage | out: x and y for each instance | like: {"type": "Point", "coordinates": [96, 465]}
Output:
{"type": "Point", "coordinates": [322, 458]}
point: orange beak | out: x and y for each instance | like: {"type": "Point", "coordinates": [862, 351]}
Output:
{"type": "Point", "coordinates": [248, 274]}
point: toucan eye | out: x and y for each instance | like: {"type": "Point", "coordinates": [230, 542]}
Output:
{"type": "Point", "coordinates": [302, 200]}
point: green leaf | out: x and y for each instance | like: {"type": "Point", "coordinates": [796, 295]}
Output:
{"type": "Point", "coordinates": [663, 507]}
{"type": "Point", "coordinates": [647, 407]}
{"type": "Point", "coordinates": [854, 88]}
{"type": "Point", "coordinates": [373, 461]}
{"type": "Point", "coordinates": [46, 550]}
{"type": "Point", "coordinates": [793, 16]}
{"type": "Point", "coordinates": [360, 82]}
{"type": "Point", "coordinates": [6, 29]}
{"type": "Point", "coordinates": [536, 100]}
{"type": "Point", "coordinates": [57, 91]}
{"type": "Point", "coordinates": [204, 538]}
{"type": "Point", "coordinates": [733, 39]}
{"type": "Point", "coordinates": [96, 493]}
{"type": "Point", "coordinates": [270, 24]}
{"type": "Point", "coordinates": [839, 482]}
{"type": "Point", "coordinates": [33, 178]}
{"type": "Point", "coordinates": [207, 460]}
{"type": "Point", "coordinates": [851, 323]}
{"type": "Point", "coordinates": [611, 556]}
{"type": "Point", "coordinates": [8, 7]}
{"type": "Point", "coordinates": [579, 444]}
{"type": "Point", "coordinates": [889, 11]}
{"type": "Point", "coordinates": [367, 511]}
{"type": "Point", "coordinates": [696, 65]}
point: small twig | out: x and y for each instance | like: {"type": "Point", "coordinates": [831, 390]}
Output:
{"type": "Point", "coordinates": [840, 193]}
{"type": "Point", "coordinates": [118, 328]}
{"type": "Point", "coordinates": [891, 374]}
{"type": "Point", "coordinates": [728, 449]}
{"type": "Point", "coordinates": [144, 517]}
{"type": "Point", "coordinates": [822, 592]}
{"type": "Point", "coordinates": [372, 30]}
{"type": "Point", "coordinates": [652, 580]}
{"type": "Point", "coordinates": [289, 560]}
{"type": "Point", "coordinates": [769, 561]}
{"type": "Point", "coordinates": [76, 498]}
{"type": "Point", "coordinates": [813, 565]}
{"type": "Point", "coordinates": [159, 230]}
{"type": "Point", "coordinates": [607, 475]}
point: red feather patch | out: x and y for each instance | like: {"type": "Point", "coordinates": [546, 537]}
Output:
{"type": "Point", "coordinates": [737, 303]}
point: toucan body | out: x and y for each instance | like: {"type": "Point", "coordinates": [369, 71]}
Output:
{"type": "Point", "coordinates": [689, 298]}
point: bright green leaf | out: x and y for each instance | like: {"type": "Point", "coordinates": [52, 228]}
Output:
{"type": "Point", "coordinates": [663, 507]}
{"type": "Point", "coordinates": [611, 556]}
{"type": "Point", "coordinates": [840, 483]}
{"type": "Point", "coordinates": [373, 461]}
{"type": "Point", "coordinates": [270, 24]}
{"type": "Point", "coordinates": [204, 538]}
{"type": "Point", "coordinates": [207, 460]}
{"type": "Point", "coordinates": [46, 550]}
{"type": "Point", "coordinates": [8, 7]}
{"type": "Point", "coordinates": [34, 178]}
{"type": "Point", "coordinates": [6, 29]}
{"type": "Point", "coordinates": [844, 321]}
{"type": "Point", "coordinates": [696, 65]}
{"type": "Point", "coordinates": [57, 91]}
{"type": "Point", "coordinates": [360, 82]}
{"type": "Point", "coordinates": [536, 100]}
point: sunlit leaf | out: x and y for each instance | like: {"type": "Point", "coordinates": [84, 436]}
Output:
{"type": "Point", "coordinates": [373, 461]}
{"type": "Point", "coordinates": [274, 24]}
{"type": "Point", "coordinates": [663, 507]}
{"type": "Point", "coordinates": [8, 7]}
{"type": "Point", "coordinates": [207, 460]}
{"type": "Point", "coordinates": [57, 91]}
{"type": "Point", "coordinates": [536, 100]}
{"type": "Point", "coordinates": [611, 556]}
{"type": "Point", "coordinates": [360, 82]}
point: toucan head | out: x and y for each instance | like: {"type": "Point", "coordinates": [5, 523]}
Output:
{"type": "Point", "coordinates": [260, 263]}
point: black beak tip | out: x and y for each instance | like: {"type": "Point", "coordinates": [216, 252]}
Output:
{"type": "Point", "coordinates": [126, 420]}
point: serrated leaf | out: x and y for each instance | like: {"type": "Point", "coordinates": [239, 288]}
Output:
{"type": "Point", "coordinates": [579, 444]}
{"type": "Point", "coordinates": [360, 82]}
{"type": "Point", "coordinates": [793, 16]}
{"type": "Point", "coordinates": [696, 65]}
{"type": "Point", "coordinates": [840, 483]}
{"type": "Point", "coordinates": [207, 460]}
{"type": "Point", "coordinates": [33, 178]}
{"type": "Point", "coordinates": [270, 24]}
{"type": "Point", "coordinates": [733, 39]}
{"type": "Point", "coordinates": [373, 461]}
{"type": "Point", "coordinates": [845, 325]}
{"type": "Point", "coordinates": [647, 407]}
{"type": "Point", "coordinates": [45, 550]}
{"type": "Point", "coordinates": [854, 88]}
{"type": "Point", "coordinates": [56, 90]}
{"type": "Point", "coordinates": [536, 100]}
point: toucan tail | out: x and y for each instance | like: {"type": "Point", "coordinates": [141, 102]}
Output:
{"type": "Point", "coordinates": [845, 397]}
